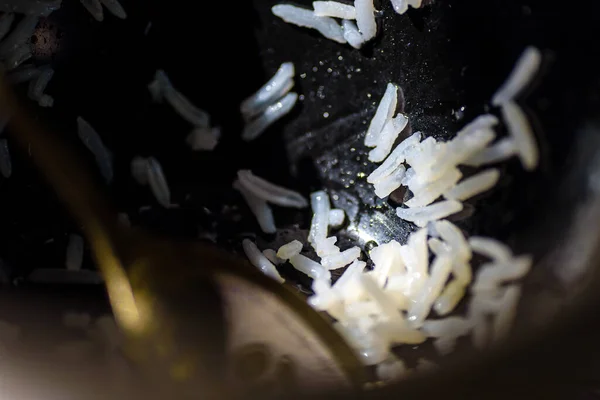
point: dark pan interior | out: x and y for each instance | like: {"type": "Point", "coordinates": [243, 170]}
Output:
{"type": "Point", "coordinates": [448, 57]}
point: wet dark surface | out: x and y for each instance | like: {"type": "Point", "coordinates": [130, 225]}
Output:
{"type": "Point", "coordinates": [448, 58]}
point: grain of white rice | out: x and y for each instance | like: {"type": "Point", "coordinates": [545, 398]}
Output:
{"type": "Point", "coordinates": [470, 141]}
{"type": "Point", "coordinates": [94, 7]}
{"type": "Point", "coordinates": [18, 57]}
{"type": "Point", "coordinates": [504, 319]}
{"type": "Point", "coordinates": [419, 261]}
{"type": "Point", "coordinates": [77, 320]}
{"type": "Point", "coordinates": [500, 151]}
{"type": "Point", "coordinates": [491, 276]}
{"type": "Point", "coordinates": [365, 18]}
{"type": "Point", "coordinates": [526, 67]}
{"type": "Point", "coordinates": [277, 87]}
{"type": "Point", "coordinates": [482, 330]}
{"type": "Point", "coordinates": [452, 235]}
{"type": "Point", "coordinates": [139, 169]}
{"type": "Point", "coordinates": [5, 159]}
{"type": "Point", "coordinates": [445, 345]}
{"type": "Point", "coordinates": [309, 267]}
{"type": "Point", "coordinates": [362, 308]}
{"type": "Point", "coordinates": [474, 185]}
{"type": "Point", "coordinates": [260, 261]}
{"type": "Point", "coordinates": [91, 139]}
{"type": "Point", "coordinates": [388, 137]}
{"type": "Point", "coordinates": [19, 36]}
{"type": "Point", "coordinates": [423, 157]}
{"type": "Point", "coordinates": [519, 128]}
{"type": "Point", "coordinates": [307, 19]}
{"type": "Point", "coordinates": [388, 184]}
{"type": "Point", "coordinates": [273, 113]}
{"type": "Point", "coordinates": [334, 9]}
{"type": "Point", "coordinates": [336, 217]}
{"type": "Point", "coordinates": [22, 74]}
{"type": "Point", "coordinates": [390, 370]}
{"type": "Point", "coordinates": [6, 21]}
{"type": "Point", "coordinates": [320, 221]}
{"type": "Point", "coordinates": [289, 250]}
{"type": "Point", "coordinates": [352, 35]}
{"type": "Point", "coordinates": [161, 87]}
{"type": "Point", "coordinates": [64, 276]}
{"type": "Point", "coordinates": [115, 8]}
{"type": "Point", "coordinates": [272, 256]}
{"type": "Point", "coordinates": [420, 216]}
{"type": "Point", "coordinates": [497, 251]}
{"type": "Point", "coordinates": [326, 299]}
{"type": "Point", "coordinates": [261, 210]}
{"type": "Point", "coordinates": [270, 192]}
{"type": "Point", "coordinates": [158, 183]}
{"type": "Point", "coordinates": [30, 7]}
{"type": "Point", "coordinates": [395, 333]}
{"type": "Point", "coordinates": [370, 348]}
{"type": "Point", "coordinates": [384, 113]}
{"type": "Point", "coordinates": [440, 271]}
{"type": "Point", "coordinates": [339, 260]}
{"type": "Point", "coordinates": [74, 256]}
{"type": "Point", "coordinates": [452, 327]}
{"type": "Point", "coordinates": [452, 294]}
{"type": "Point", "coordinates": [437, 246]}
{"type": "Point", "coordinates": [203, 138]}
{"type": "Point", "coordinates": [428, 193]}
{"type": "Point", "coordinates": [401, 6]}
{"type": "Point", "coordinates": [387, 307]}
{"type": "Point", "coordinates": [38, 86]}
{"type": "Point", "coordinates": [347, 283]}
{"type": "Point", "coordinates": [388, 260]}
{"type": "Point", "coordinates": [395, 159]}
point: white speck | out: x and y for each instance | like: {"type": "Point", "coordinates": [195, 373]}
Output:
{"type": "Point", "coordinates": [301, 97]}
{"type": "Point", "coordinates": [329, 70]}
{"type": "Point", "coordinates": [369, 95]}
{"type": "Point", "coordinates": [325, 115]}
{"type": "Point", "coordinates": [340, 58]}
{"type": "Point", "coordinates": [303, 75]}
{"type": "Point", "coordinates": [358, 69]}
{"type": "Point", "coordinates": [315, 69]}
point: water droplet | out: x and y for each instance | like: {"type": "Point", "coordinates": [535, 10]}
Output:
{"type": "Point", "coordinates": [301, 97]}
{"type": "Point", "coordinates": [340, 58]}
{"type": "Point", "coordinates": [315, 69]}
{"type": "Point", "coordinates": [335, 197]}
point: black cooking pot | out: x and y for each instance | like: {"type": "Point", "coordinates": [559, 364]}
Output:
{"type": "Point", "coordinates": [448, 58]}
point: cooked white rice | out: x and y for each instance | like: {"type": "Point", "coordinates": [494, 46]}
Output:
{"type": "Point", "coordinates": [307, 19]}
{"type": "Point", "coordinates": [19, 35]}
{"type": "Point", "coordinates": [440, 272]}
{"type": "Point", "coordinates": [270, 192]}
{"type": "Point", "coordinates": [272, 256]}
{"type": "Point", "coordinates": [339, 260]}
{"type": "Point", "coordinates": [273, 113]}
{"type": "Point", "coordinates": [500, 151]}
{"type": "Point", "coordinates": [158, 183]}
{"type": "Point", "coordinates": [384, 113]}
{"type": "Point", "coordinates": [336, 217]}
{"type": "Point", "coordinates": [260, 261]}
{"type": "Point", "coordinates": [429, 192]}
{"type": "Point", "coordinates": [520, 130]}
{"type": "Point", "coordinates": [390, 370]}
{"type": "Point", "coordinates": [420, 216]}
{"type": "Point", "coordinates": [277, 87]}
{"type": "Point", "coordinates": [203, 139]}
{"type": "Point", "coordinates": [18, 57]}
{"type": "Point", "coordinates": [387, 185]}
{"type": "Point", "coordinates": [498, 252]}
{"type": "Point", "coordinates": [474, 185]}
{"type": "Point", "coordinates": [38, 86]}
{"type": "Point", "coordinates": [309, 267]}
{"type": "Point", "coordinates": [334, 9]}
{"type": "Point", "coordinates": [94, 7]}
{"type": "Point", "coordinates": [289, 250]}
{"type": "Point", "coordinates": [115, 8]}
{"type": "Point", "coordinates": [525, 69]}
{"type": "Point", "coordinates": [401, 6]}
{"type": "Point", "coordinates": [352, 34]}
{"type": "Point", "coordinates": [91, 139]}
{"type": "Point", "coordinates": [395, 159]}
{"type": "Point", "coordinates": [388, 137]}
{"type": "Point", "coordinates": [259, 207]}
{"type": "Point", "coordinates": [365, 19]}
{"type": "Point", "coordinates": [452, 294]}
